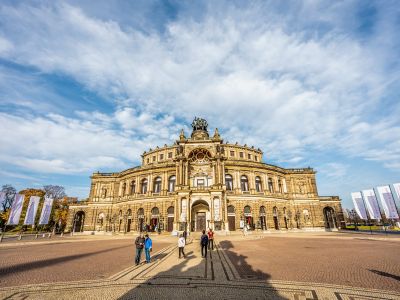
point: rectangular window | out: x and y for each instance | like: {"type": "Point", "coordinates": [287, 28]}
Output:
{"type": "Point", "coordinates": [241, 154]}
{"type": "Point", "coordinates": [154, 158]}
{"type": "Point", "coordinates": [170, 155]}
{"type": "Point", "coordinates": [148, 160]}
{"type": "Point", "coordinates": [256, 158]}
{"type": "Point", "coordinates": [161, 156]}
{"type": "Point", "coordinates": [249, 156]}
{"type": "Point", "coordinates": [232, 153]}
{"type": "Point", "coordinates": [200, 182]}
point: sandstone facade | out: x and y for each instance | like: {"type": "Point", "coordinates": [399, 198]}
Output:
{"type": "Point", "coordinates": [201, 182]}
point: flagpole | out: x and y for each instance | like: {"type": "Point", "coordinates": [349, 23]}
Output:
{"type": "Point", "coordinates": [366, 212]}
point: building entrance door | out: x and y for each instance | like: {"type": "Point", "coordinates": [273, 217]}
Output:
{"type": "Point", "coordinates": [170, 224]}
{"type": "Point", "coordinates": [128, 227]}
{"type": "Point", "coordinates": [231, 222]}
{"type": "Point", "coordinates": [200, 221]}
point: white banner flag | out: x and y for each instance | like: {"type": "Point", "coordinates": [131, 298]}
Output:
{"type": "Point", "coordinates": [16, 209]}
{"type": "Point", "coordinates": [372, 204]}
{"type": "Point", "coordinates": [397, 189]}
{"type": "Point", "coordinates": [46, 211]}
{"type": "Point", "coordinates": [388, 205]}
{"type": "Point", "coordinates": [31, 210]}
{"type": "Point", "coordinates": [359, 205]}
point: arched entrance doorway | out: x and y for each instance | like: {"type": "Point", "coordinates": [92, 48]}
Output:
{"type": "Point", "coordinates": [285, 219]}
{"type": "Point", "coordinates": [248, 217]}
{"type": "Point", "coordinates": [79, 221]}
{"type": "Point", "coordinates": [100, 221]}
{"type": "Point", "coordinates": [231, 218]}
{"type": "Point", "coordinates": [330, 219]}
{"type": "Point", "coordinates": [129, 220]}
{"type": "Point", "coordinates": [199, 215]}
{"type": "Point", "coordinates": [275, 215]}
{"type": "Point", "coordinates": [140, 216]}
{"type": "Point", "coordinates": [155, 219]}
{"type": "Point", "coordinates": [170, 218]}
{"type": "Point", "coordinates": [263, 223]}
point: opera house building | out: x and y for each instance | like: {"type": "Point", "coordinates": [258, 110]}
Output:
{"type": "Point", "coordinates": [200, 182]}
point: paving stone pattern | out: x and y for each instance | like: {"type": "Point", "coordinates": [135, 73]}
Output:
{"type": "Point", "coordinates": [226, 273]}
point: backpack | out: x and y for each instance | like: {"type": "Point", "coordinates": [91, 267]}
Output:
{"type": "Point", "coordinates": [204, 239]}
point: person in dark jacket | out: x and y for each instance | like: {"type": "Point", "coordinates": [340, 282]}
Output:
{"type": "Point", "coordinates": [139, 243]}
{"type": "Point", "coordinates": [204, 244]}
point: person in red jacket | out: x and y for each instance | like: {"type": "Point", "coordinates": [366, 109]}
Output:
{"type": "Point", "coordinates": [210, 239]}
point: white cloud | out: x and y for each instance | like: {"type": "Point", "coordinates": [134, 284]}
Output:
{"type": "Point", "coordinates": [282, 90]}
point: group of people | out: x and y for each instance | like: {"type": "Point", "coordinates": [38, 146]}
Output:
{"type": "Point", "coordinates": [145, 242]}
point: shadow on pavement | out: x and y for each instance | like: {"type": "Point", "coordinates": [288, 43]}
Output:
{"type": "Point", "coordinates": [185, 279]}
{"type": "Point", "coordinates": [381, 273]}
{"type": "Point", "coordinates": [48, 262]}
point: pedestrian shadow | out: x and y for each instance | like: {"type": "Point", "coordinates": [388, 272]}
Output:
{"type": "Point", "coordinates": [381, 273]}
{"type": "Point", "coordinates": [245, 270]}
{"type": "Point", "coordinates": [184, 280]}
{"type": "Point", "coordinates": [49, 262]}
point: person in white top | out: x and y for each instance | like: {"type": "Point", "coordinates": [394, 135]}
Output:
{"type": "Point", "coordinates": [181, 245]}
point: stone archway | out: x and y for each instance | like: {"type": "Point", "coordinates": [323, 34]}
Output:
{"type": "Point", "coordinates": [329, 218]}
{"type": "Point", "coordinates": [79, 221]}
{"type": "Point", "coordinates": [199, 215]}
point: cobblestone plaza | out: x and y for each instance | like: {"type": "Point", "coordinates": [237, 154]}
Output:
{"type": "Point", "coordinates": [274, 266]}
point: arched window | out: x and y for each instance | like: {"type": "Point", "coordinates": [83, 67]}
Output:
{"type": "Point", "coordinates": [140, 213]}
{"type": "Point", "coordinates": [170, 211]}
{"type": "Point", "coordinates": [133, 187]}
{"type": "Point", "coordinates": [229, 182]}
{"type": "Point", "coordinates": [279, 185]}
{"type": "Point", "coordinates": [104, 192]}
{"type": "Point", "coordinates": [262, 210]}
{"type": "Point", "coordinates": [157, 185]}
{"type": "Point", "coordinates": [270, 185]}
{"type": "Point", "coordinates": [155, 211]}
{"type": "Point", "coordinates": [129, 213]}
{"type": "Point", "coordinates": [143, 188]}
{"type": "Point", "coordinates": [244, 183]}
{"type": "Point", "coordinates": [247, 210]}
{"type": "Point", "coordinates": [120, 214]}
{"type": "Point", "coordinates": [231, 209]}
{"type": "Point", "coordinates": [275, 211]}
{"type": "Point", "coordinates": [123, 188]}
{"type": "Point", "coordinates": [171, 183]}
{"type": "Point", "coordinates": [258, 184]}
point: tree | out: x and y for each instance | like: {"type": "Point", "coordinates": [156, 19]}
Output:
{"type": "Point", "coordinates": [56, 192]}
{"type": "Point", "coordinates": [10, 192]}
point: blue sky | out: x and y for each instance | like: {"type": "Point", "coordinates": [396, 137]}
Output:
{"type": "Point", "coordinates": [87, 87]}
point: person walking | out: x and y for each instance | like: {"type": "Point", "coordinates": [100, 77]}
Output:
{"type": "Point", "coordinates": [148, 246]}
{"type": "Point", "coordinates": [185, 235]}
{"type": "Point", "coordinates": [204, 244]}
{"type": "Point", "coordinates": [139, 242]}
{"type": "Point", "coordinates": [181, 246]}
{"type": "Point", "coordinates": [210, 239]}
